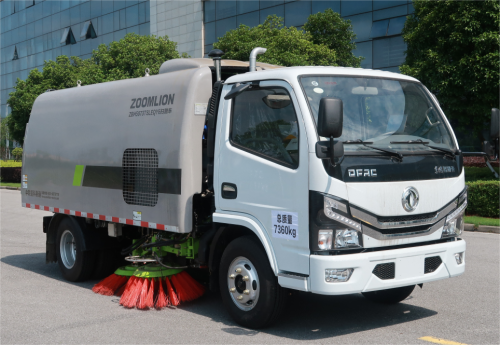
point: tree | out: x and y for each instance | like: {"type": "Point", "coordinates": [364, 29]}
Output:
{"type": "Point", "coordinates": [453, 49]}
{"type": "Point", "coordinates": [330, 29]}
{"type": "Point", "coordinates": [17, 153]}
{"type": "Point", "coordinates": [127, 58]}
{"type": "Point", "coordinates": [4, 136]}
{"type": "Point", "coordinates": [285, 46]}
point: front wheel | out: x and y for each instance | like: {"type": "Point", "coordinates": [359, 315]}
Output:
{"type": "Point", "coordinates": [248, 286]}
{"type": "Point", "coordinates": [390, 296]}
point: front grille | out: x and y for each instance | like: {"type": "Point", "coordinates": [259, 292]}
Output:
{"type": "Point", "coordinates": [410, 229]}
{"type": "Point", "coordinates": [385, 271]}
{"type": "Point", "coordinates": [410, 218]}
{"type": "Point", "coordinates": [140, 177]}
{"type": "Point", "coordinates": [432, 264]}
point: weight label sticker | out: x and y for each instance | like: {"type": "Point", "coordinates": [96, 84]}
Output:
{"type": "Point", "coordinates": [137, 215]}
{"type": "Point", "coordinates": [200, 108]}
{"type": "Point", "coordinates": [285, 225]}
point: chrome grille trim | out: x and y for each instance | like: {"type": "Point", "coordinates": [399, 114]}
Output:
{"type": "Point", "coordinates": [373, 219]}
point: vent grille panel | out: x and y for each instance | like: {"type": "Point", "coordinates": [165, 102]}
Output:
{"type": "Point", "coordinates": [410, 218]}
{"type": "Point", "coordinates": [140, 177]}
{"type": "Point", "coordinates": [432, 264]}
{"type": "Point", "coordinates": [385, 271]}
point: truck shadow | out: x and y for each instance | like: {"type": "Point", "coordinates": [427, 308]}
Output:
{"type": "Point", "coordinates": [35, 263]}
{"type": "Point", "coordinates": [307, 317]}
{"type": "Point", "coordinates": [315, 317]}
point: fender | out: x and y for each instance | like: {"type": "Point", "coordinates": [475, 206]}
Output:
{"type": "Point", "coordinates": [255, 226]}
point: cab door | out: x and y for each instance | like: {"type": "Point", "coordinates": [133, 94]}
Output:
{"type": "Point", "coordinates": [262, 168]}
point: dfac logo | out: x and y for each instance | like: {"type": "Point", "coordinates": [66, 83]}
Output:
{"type": "Point", "coordinates": [362, 172]}
{"type": "Point", "coordinates": [410, 199]}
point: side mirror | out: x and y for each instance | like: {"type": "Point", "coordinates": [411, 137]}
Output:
{"type": "Point", "coordinates": [330, 123]}
{"type": "Point", "coordinates": [330, 117]}
{"type": "Point", "coordinates": [495, 125]}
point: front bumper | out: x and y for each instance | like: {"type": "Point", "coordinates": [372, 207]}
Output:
{"type": "Point", "coordinates": [409, 264]}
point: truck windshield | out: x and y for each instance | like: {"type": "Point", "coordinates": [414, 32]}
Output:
{"type": "Point", "coordinates": [387, 113]}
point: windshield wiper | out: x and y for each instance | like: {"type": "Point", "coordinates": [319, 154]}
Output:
{"type": "Point", "coordinates": [449, 152]}
{"type": "Point", "coordinates": [395, 154]}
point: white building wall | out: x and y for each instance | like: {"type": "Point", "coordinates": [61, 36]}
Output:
{"type": "Point", "coordinates": [181, 21]}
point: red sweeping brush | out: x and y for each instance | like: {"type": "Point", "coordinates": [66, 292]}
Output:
{"type": "Point", "coordinates": [108, 286]}
{"type": "Point", "coordinates": [187, 288]}
{"type": "Point", "coordinates": [162, 300]}
{"type": "Point", "coordinates": [174, 300]}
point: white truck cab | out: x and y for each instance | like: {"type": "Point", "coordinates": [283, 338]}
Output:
{"type": "Point", "coordinates": [326, 180]}
{"type": "Point", "coordinates": [380, 215]}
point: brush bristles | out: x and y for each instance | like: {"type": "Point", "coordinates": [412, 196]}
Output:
{"type": "Point", "coordinates": [141, 302]}
{"type": "Point", "coordinates": [150, 302]}
{"type": "Point", "coordinates": [174, 299]}
{"type": "Point", "coordinates": [109, 285]}
{"type": "Point", "coordinates": [162, 300]}
{"type": "Point", "coordinates": [132, 293]}
{"type": "Point", "coordinates": [128, 289]}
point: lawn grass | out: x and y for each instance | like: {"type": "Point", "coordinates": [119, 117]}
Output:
{"type": "Point", "coordinates": [481, 221]}
{"type": "Point", "coordinates": [479, 174]}
{"type": "Point", "coordinates": [10, 184]}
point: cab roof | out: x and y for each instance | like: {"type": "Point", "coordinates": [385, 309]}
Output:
{"type": "Point", "coordinates": [291, 73]}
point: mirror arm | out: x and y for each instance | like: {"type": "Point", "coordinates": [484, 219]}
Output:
{"type": "Point", "coordinates": [332, 151]}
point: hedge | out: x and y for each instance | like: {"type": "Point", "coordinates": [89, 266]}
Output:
{"type": "Point", "coordinates": [10, 164]}
{"type": "Point", "coordinates": [483, 198]}
{"type": "Point", "coordinates": [10, 175]}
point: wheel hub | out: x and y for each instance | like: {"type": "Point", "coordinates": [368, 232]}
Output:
{"type": "Point", "coordinates": [243, 283]}
{"type": "Point", "coordinates": [68, 249]}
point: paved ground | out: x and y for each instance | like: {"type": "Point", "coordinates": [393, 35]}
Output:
{"type": "Point", "coordinates": [37, 306]}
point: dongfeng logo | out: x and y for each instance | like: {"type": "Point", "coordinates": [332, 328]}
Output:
{"type": "Point", "coordinates": [410, 199]}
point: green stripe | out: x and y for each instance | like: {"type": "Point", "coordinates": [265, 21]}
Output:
{"type": "Point", "coordinates": [77, 178]}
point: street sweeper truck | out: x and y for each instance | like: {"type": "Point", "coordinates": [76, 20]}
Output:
{"type": "Point", "coordinates": [249, 179]}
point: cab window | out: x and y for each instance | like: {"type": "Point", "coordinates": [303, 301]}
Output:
{"type": "Point", "coordinates": [264, 123]}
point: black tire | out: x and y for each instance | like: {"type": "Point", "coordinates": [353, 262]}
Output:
{"type": "Point", "coordinates": [272, 297]}
{"type": "Point", "coordinates": [84, 262]}
{"type": "Point", "coordinates": [390, 296]}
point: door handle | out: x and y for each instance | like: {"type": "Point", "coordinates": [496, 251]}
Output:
{"type": "Point", "coordinates": [229, 190]}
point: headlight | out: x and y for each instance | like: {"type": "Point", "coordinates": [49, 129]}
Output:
{"type": "Point", "coordinates": [330, 206]}
{"type": "Point", "coordinates": [454, 223]}
{"type": "Point", "coordinates": [347, 238]}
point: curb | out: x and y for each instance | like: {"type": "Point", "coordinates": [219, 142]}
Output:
{"type": "Point", "coordinates": [10, 188]}
{"type": "Point", "coordinates": [482, 228]}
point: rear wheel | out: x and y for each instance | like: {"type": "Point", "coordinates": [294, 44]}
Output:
{"type": "Point", "coordinates": [248, 286]}
{"type": "Point", "coordinates": [75, 263]}
{"type": "Point", "coordinates": [390, 296]}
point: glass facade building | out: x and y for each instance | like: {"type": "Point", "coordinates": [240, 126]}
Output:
{"type": "Point", "coordinates": [377, 23]}
{"type": "Point", "coordinates": [32, 32]}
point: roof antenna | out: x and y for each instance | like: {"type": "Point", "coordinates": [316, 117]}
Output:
{"type": "Point", "coordinates": [216, 54]}
{"type": "Point", "coordinates": [78, 83]}
{"type": "Point", "coordinates": [147, 72]}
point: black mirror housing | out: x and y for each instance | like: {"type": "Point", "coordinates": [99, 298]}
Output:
{"type": "Point", "coordinates": [495, 124]}
{"type": "Point", "coordinates": [323, 149]}
{"type": "Point", "coordinates": [330, 117]}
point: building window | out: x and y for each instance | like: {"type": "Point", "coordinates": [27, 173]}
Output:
{"type": "Point", "coordinates": [88, 31]}
{"type": "Point", "coordinates": [15, 56]}
{"type": "Point", "coordinates": [68, 37]}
